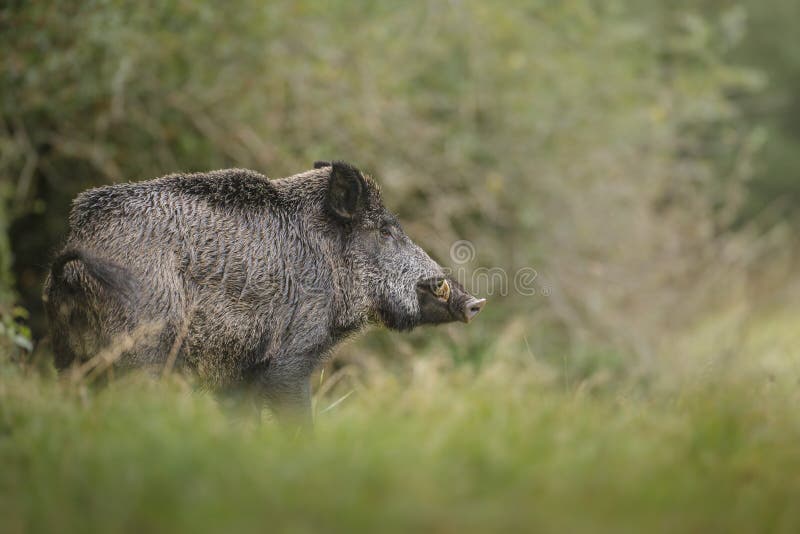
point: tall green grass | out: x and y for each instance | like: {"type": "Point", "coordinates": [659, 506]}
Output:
{"type": "Point", "coordinates": [448, 450]}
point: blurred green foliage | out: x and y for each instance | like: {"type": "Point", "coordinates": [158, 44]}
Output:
{"type": "Point", "coordinates": [764, 42]}
{"type": "Point", "coordinates": [602, 144]}
{"type": "Point", "coordinates": [769, 46]}
{"type": "Point", "coordinates": [445, 449]}
{"type": "Point", "coordinates": [641, 156]}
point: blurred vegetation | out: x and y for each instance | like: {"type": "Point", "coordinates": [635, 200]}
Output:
{"type": "Point", "coordinates": [443, 449]}
{"type": "Point", "coordinates": [643, 157]}
{"type": "Point", "coordinates": [603, 145]}
{"type": "Point", "coordinates": [768, 46]}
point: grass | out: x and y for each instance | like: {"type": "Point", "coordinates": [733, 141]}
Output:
{"type": "Point", "coordinates": [454, 450]}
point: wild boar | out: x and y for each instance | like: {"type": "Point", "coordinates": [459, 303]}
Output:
{"type": "Point", "coordinates": [249, 281]}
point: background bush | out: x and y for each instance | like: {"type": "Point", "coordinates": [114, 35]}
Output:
{"type": "Point", "coordinates": [639, 156]}
{"type": "Point", "coordinates": [618, 148]}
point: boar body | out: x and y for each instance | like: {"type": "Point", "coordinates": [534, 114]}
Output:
{"type": "Point", "coordinates": [243, 280]}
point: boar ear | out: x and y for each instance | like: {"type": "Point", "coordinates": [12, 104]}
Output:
{"type": "Point", "coordinates": [346, 191]}
{"type": "Point", "coordinates": [321, 164]}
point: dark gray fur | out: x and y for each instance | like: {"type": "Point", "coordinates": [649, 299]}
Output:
{"type": "Point", "coordinates": [251, 281]}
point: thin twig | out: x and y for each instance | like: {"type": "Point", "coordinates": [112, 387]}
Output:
{"type": "Point", "coordinates": [176, 345]}
{"type": "Point", "coordinates": [338, 402]}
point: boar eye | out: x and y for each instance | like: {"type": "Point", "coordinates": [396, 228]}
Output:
{"type": "Point", "coordinates": [386, 233]}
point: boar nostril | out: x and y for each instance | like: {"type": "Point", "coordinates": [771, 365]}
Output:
{"type": "Point", "coordinates": [472, 308]}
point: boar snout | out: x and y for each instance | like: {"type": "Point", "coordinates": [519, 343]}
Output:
{"type": "Point", "coordinates": [444, 300]}
{"type": "Point", "coordinates": [472, 308]}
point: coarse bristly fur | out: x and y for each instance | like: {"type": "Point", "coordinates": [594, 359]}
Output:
{"type": "Point", "coordinates": [252, 281]}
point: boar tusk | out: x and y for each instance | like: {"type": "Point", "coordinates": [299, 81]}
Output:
{"type": "Point", "coordinates": [443, 290]}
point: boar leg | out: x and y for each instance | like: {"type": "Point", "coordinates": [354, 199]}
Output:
{"type": "Point", "coordinates": [284, 385]}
